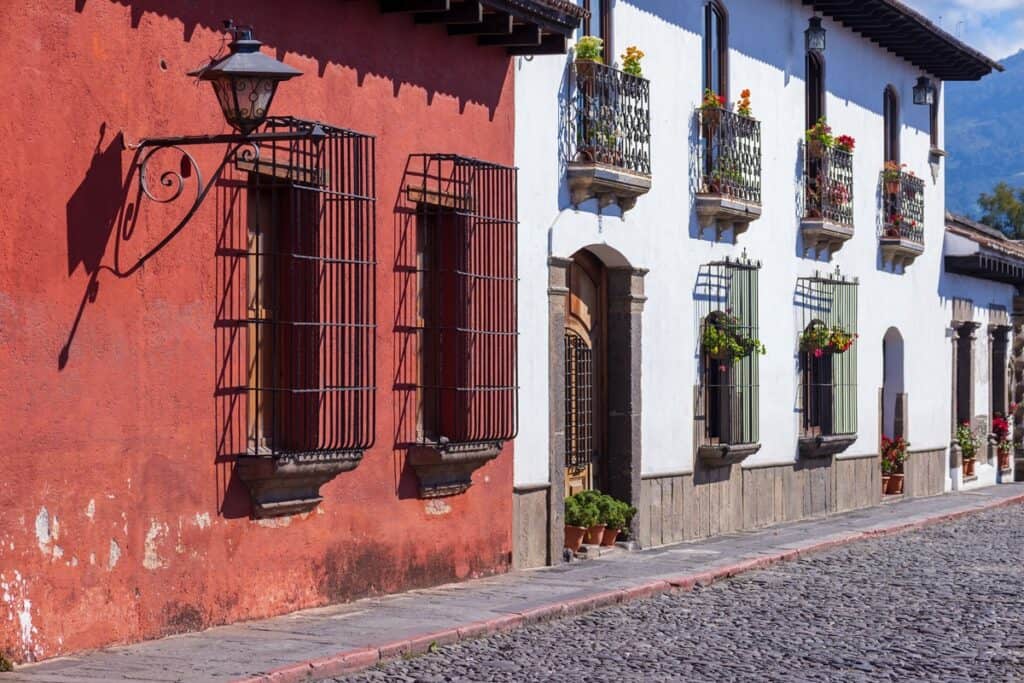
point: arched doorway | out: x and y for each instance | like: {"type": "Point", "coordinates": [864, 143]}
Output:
{"type": "Point", "coordinates": [894, 396]}
{"type": "Point", "coordinates": [586, 314]}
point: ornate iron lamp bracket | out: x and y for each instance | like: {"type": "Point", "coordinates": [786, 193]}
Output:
{"type": "Point", "coordinates": [241, 148]}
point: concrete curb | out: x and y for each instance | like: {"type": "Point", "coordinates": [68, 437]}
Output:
{"type": "Point", "coordinates": [352, 661]}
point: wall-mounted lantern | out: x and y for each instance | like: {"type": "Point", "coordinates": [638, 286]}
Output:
{"type": "Point", "coordinates": [245, 81]}
{"type": "Point", "coordinates": [924, 93]}
{"type": "Point", "coordinates": [814, 36]}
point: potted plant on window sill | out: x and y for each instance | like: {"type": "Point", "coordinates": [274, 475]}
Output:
{"type": "Point", "coordinates": [969, 444]}
{"type": "Point", "coordinates": [819, 339]}
{"type": "Point", "coordinates": [578, 518]}
{"type": "Point", "coordinates": [711, 108]}
{"type": "Point", "coordinates": [723, 338]}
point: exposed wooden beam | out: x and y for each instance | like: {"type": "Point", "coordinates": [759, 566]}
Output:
{"type": "Point", "coordinates": [469, 12]}
{"type": "Point", "coordinates": [497, 24]}
{"type": "Point", "coordinates": [550, 44]}
{"type": "Point", "coordinates": [525, 35]}
{"type": "Point", "coordinates": [388, 6]}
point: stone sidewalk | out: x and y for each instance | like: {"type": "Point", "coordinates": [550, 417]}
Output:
{"type": "Point", "coordinates": [334, 640]}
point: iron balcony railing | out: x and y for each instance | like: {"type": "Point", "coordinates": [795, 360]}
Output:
{"type": "Point", "coordinates": [903, 200]}
{"type": "Point", "coordinates": [612, 118]}
{"type": "Point", "coordinates": [828, 175]}
{"type": "Point", "coordinates": [731, 159]}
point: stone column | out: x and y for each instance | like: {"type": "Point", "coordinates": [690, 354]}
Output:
{"type": "Point", "coordinates": [1017, 388]}
{"type": "Point", "coordinates": [558, 292]}
{"type": "Point", "coordinates": [625, 310]}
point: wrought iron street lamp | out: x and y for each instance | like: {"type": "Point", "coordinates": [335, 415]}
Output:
{"type": "Point", "coordinates": [814, 36]}
{"type": "Point", "coordinates": [245, 81]}
{"type": "Point", "coordinates": [924, 93]}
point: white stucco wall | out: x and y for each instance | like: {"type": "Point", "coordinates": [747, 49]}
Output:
{"type": "Point", "coordinates": [661, 234]}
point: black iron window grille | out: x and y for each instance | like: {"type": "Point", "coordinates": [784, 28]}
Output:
{"type": "Point", "coordinates": [730, 154]}
{"type": "Point", "coordinates": [464, 318]}
{"type": "Point", "coordinates": [827, 351]}
{"type": "Point", "coordinates": [579, 403]}
{"type": "Point", "coordinates": [903, 199]}
{"type": "Point", "coordinates": [611, 117]}
{"type": "Point", "coordinates": [728, 400]}
{"type": "Point", "coordinates": [297, 257]}
{"type": "Point", "coordinates": [828, 177]}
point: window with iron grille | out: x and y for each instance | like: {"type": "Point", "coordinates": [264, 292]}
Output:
{"type": "Point", "coordinates": [728, 400]}
{"type": "Point", "coordinates": [463, 313]}
{"type": "Point", "coordinates": [297, 267]}
{"type": "Point", "coordinates": [827, 349]}
{"type": "Point", "coordinates": [579, 402]}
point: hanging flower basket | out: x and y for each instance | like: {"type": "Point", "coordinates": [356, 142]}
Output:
{"type": "Point", "coordinates": [819, 339]}
{"type": "Point", "coordinates": [724, 339]}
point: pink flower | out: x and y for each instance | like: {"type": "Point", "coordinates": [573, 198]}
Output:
{"type": "Point", "coordinates": [818, 353]}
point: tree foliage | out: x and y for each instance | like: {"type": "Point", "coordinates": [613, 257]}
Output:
{"type": "Point", "coordinates": [1004, 209]}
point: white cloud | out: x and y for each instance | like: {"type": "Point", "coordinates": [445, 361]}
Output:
{"type": "Point", "coordinates": [996, 27]}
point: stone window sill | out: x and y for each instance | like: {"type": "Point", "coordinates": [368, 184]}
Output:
{"type": "Point", "coordinates": [289, 483]}
{"type": "Point", "coordinates": [720, 455]}
{"type": "Point", "coordinates": [446, 469]}
{"type": "Point", "coordinates": [825, 446]}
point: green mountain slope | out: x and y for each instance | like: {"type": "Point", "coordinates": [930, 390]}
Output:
{"type": "Point", "coordinates": [984, 135]}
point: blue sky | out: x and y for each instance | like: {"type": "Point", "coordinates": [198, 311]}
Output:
{"type": "Point", "coordinates": [996, 27]}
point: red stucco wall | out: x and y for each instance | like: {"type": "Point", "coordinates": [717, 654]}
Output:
{"type": "Point", "coordinates": [116, 521]}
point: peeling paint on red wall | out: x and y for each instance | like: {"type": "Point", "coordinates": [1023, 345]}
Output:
{"type": "Point", "coordinates": [118, 523]}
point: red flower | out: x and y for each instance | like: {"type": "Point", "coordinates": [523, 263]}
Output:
{"type": "Point", "coordinates": [818, 353]}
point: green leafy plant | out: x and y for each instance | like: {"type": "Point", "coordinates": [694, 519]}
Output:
{"type": "Point", "coordinates": [894, 454]}
{"type": "Point", "coordinates": [892, 172]}
{"type": "Point", "coordinates": [619, 514]}
{"type": "Point", "coordinates": [819, 339]}
{"type": "Point", "coordinates": [724, 339]}
{"type": "Point", "coordinates": [590, 49]}
{"type": "Point", "coordinates": [820, 134]}
{"type": "Point", "coordinates": [967, 440]}
{"type": "Point", "coordinates": [712, 100]}
{"type": "Point", "coordinates": [581, 512]}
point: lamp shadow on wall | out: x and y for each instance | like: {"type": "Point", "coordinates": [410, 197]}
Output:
{"type": "Point", "coordinates": [92, 212]}
{"type": "Point", "coordinates": [371, 46]}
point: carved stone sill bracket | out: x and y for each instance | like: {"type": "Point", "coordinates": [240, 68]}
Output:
{"type": "Point", "coordinates": [821, 235]}
{"type": "Point", "coordinates": [610, 184]}
{"type": "Point", "coordinates": [899, 252]}
{"type": "Point", "coordinates": [447, 469]}
{"type": "Point", "coordinates": [725, 213]}
{"type": "Point", "coordinates": [289, 484]}
{"type": "Point", "coordinates": [719, 455]}
{"type": "Point", "coordinates": [825, 446]}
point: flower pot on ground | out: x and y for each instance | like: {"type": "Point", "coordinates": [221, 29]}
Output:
{"type": "Point", "coordinates": [885, 483]}
{"type": "Point", "coordinates": [594, 534]}
{"type": "Point", "coordinates": [968, 467]}
{"type": "Point", "coordinates": [610, 536]}
{"type": "Point", "coordinates": [1004, 460]}
{"type": "Point", "coordinates": [580, 515]}
{"type": "Point", "coordinates": [1001, 435]}
{"type": "Point", "coordinates": [574, 537]}
{"type": "Point", "coordinates": [893, 454]}
{"type": "Point", "coordinates": [895, 485]}
{"type": "Point", "coordinates": [617, 516]}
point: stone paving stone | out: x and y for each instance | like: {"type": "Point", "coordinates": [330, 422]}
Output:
{"type": "Point", "coordinates": [945, 603]}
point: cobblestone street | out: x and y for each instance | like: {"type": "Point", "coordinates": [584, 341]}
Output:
{"type": "Point", "coordinates": [944, 604]}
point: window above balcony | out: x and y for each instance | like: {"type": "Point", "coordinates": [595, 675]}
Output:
{"type": "Point", "coordinates": [610, 124]}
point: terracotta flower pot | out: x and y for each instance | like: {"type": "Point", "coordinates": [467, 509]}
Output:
{"type": "Point", "coordinates": [608, 539]}
{"type": "Point", "coordinates": [574, 537]}
{"type": "Point", "coordinates": [1004, 461]}
{"type": "Point", "coordinates": [895, 486]}
{"type": "Point", "coordinates": [892, 186]}
{"type": "Point", "coordinates": [594, 534]}
{"type": "Point", "coordinates": [968, 467]}
{"type": "Point", "coordinates": [885, 484]}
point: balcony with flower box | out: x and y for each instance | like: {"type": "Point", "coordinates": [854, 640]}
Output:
{"type": "Point", "coordinates": [610, 115]}
{"type": "Point", "coordinates": [827, 222]}
{"type": "Point", "coordinates": [902, 236]}
{"type": "Point", "coordinates": [729, 195]}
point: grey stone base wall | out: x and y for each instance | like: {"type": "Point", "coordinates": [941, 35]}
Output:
{"type": "Point", "coordinates": [530, 527]}
{"type": "Point", "coordinates": [925, 472]}
{"type": "Point", "coordinates": [720, 500]}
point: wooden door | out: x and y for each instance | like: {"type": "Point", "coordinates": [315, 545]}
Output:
{"type": "Point", "coordinates": [584, 375]}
